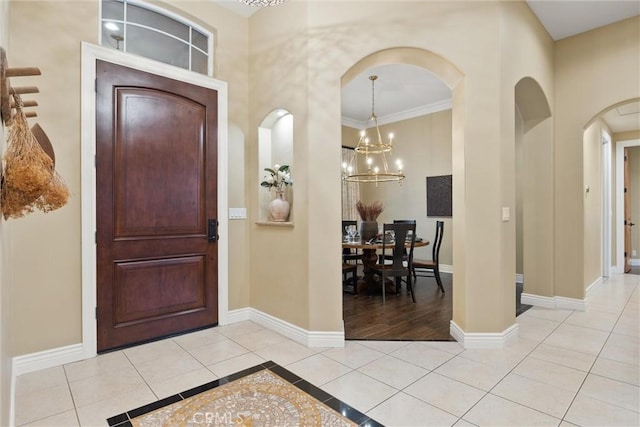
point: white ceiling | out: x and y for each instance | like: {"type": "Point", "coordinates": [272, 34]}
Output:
{"type": "Point", "coordinates": [404, 91]}
{"type": "Point", "coordinates": [564, 18]}
{"type": "Point", "coordinates": [401, 92]}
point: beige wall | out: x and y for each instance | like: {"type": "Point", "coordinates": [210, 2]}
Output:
{"type": "Point", "coordinates": [626, 136]}
{"type": "Point", "coordinates": [534, 195]}
{"type": "Point", "coordinates": [280, 257]}
{"type": "Point", "coordinates": [534, 192]}
{"type": "Point", "coordinates": [593, 71]}
{"type": "Point", "coordinates": [294, 57]}
{"type": "Point", "coordinates": [46, 249]}
{"type": "Point", "coordinates": [6, 282]}
{"type": "Point", "coordinates": [424, 146]}
{"type": "Point", "coordinates": [519, 159]}
{"type": "Point", "coordinates": [329, 38]}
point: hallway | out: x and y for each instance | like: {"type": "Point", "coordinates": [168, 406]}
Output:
{"type": "Point", "coordinates": [566, 367]}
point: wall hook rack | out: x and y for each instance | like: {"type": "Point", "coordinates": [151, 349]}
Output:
{"type": "Point", "coordinates": [7, 101]}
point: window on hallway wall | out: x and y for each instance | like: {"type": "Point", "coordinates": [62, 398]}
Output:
{"type": "Point", "coordinates": [146, 30]}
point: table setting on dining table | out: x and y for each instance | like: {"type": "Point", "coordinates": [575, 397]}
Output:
{"type": "Point", "coordinates": [351, 239]}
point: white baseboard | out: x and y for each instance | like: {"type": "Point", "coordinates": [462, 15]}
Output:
{"type": "Point", "coordinates": [75, 352]}
{"type": "Point", "coordinates": [538, 301]}
{"type": "Point", "coordinates": [289, 330]}
{"type": "Point", "coordinates": [445, 268]}
{"type": "Point", "coordinates": [47, 359]}
{"type": "Point", "coordinates": [554, 303]}
{"type": "Point", "coordinates": [239, 315]}
{"type": "Point", "coordinates": [41, 360]}
{"type": "Point", "coordinates": [519, 278]}
{"type": "Point", "coordinates": [592, 287]}
{"type": "Point", "coordinates": [483, 340]}
{"type": "Point", "coordinates": [634, 262]}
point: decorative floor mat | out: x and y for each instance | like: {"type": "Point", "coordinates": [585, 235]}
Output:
{"type": "Point", "coordinates": [264, 395]}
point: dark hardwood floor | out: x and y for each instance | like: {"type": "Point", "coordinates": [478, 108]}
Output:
{"type": "Point", "coordinates": [399, 319]}
{"type": "Point", "coordinates": [366, 318]}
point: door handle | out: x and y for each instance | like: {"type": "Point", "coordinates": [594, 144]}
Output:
{"type": "Point", "coordinates": [631, 224]}
{"type": "Point", "coordinates": [213, 230]}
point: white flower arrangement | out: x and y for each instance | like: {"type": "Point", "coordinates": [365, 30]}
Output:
{"type": "Point", "coordinates": [278, 178]}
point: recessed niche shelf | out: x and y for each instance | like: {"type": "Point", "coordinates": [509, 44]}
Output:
{"type": "Point", "coordinates": [275, 149]}
{"type": "Point", "coordinates": [286, 224]}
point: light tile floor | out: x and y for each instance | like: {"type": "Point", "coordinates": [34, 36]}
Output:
{"type": "Point", "coordinates": [566, 368]}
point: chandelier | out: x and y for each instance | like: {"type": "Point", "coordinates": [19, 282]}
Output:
{"type": "Point", "coordinates": [368, 162]}
{"type": "Point", "coordinates": [262, 3]}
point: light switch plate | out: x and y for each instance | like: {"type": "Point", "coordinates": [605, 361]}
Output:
{"type": "Point", "coordinates": [237, 213]}
{"type": "Point", "coordinates": [506, 215]}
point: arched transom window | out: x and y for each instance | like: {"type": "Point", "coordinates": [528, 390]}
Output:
{"type": "Point", "coordinates": [146, 30]}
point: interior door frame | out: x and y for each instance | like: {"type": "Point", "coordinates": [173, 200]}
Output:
{"type": "Point", "coordinates": [91, 53]}
{"type": "Point", "coordinates": [620, 146]}
{"type": "Point", "coordinates": [607, 204]}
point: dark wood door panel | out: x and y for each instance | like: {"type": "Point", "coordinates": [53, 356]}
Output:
{"type": "Point", "coordinates": [156, 186]}
{"type": "Point", "coordinates": [155, 289]}
{"type": "Point", "coordinates": [174, 148]}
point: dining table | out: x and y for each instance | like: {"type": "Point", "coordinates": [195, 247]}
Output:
{"type": "Point", "coordinates": [369, 258]}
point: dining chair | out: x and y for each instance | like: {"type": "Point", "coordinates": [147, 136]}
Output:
{"type": "Point", "coordinates": [350, 256]}
{"type": "Point", "coordinates": [347, 282]}
{"type": "Point", "coordinates": [431, 268]}
{"type": "Point", "coordinates": [398, 221]}
{"type": "Point", "coordinates": [400, 263]}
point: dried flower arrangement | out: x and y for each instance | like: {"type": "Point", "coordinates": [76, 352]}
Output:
{"type": "Point", "coordinates": [29, 180]}
{"type": "Point", "coordinates": [369, 212]}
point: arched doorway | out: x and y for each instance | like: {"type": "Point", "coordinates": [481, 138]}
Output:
{"type": "Point", "coordinates": [606, 137]}
{"type": "Point", "coordinates": [450, 76]}
{"type": "Point", "coordinates": [534, 191]}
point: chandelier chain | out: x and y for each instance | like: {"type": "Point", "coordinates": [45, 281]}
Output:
{"type": "Point", "coordinates": [373, 96]}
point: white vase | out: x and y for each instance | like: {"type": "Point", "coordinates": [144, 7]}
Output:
{"type": "Point", "coordinates": [279, 208]}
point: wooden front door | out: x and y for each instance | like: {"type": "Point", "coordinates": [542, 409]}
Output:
{"type": "Point", "coordinates": [156, 200]}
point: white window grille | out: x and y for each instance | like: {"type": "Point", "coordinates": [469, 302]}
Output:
{"type": "Point", "coordinates": [147, 30]}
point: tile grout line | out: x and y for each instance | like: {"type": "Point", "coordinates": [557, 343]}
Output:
{"type": "Point", "coordinates": [598, 355]}
{"type": "Point", "coordinates": [514, 367]}
{"type": "Point", "coordinates": [73, 400]}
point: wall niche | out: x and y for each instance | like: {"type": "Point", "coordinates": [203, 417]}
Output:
{"type": "Point", "coordinates": [275, 149]}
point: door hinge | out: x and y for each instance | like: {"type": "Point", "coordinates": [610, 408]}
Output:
{"type": "Point", "coordinates": [625, 190]}
{"type": "Point", "coordinates": [625, 254]}
{"type": "Point", "coordinates": [625, 222]}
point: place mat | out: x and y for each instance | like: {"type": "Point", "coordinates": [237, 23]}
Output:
{"type": "Point", "coordinates": [264, 395]}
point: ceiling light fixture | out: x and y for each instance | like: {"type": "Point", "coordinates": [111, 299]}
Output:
{"type": "Point", "coordinates": [262, 3]}
{"type": "Point", "coordinates": [111, 26]}
{"type": "Point", "coordinates": [369, 160]}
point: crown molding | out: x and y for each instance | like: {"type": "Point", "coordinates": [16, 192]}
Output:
{"type": "Point", "coordinates": [423, 110]}
{"type": "Point", "coordinates": [356, 124]}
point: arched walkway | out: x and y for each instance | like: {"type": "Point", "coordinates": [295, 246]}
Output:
{"type": "Point", "coordinates": [534, 191]}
